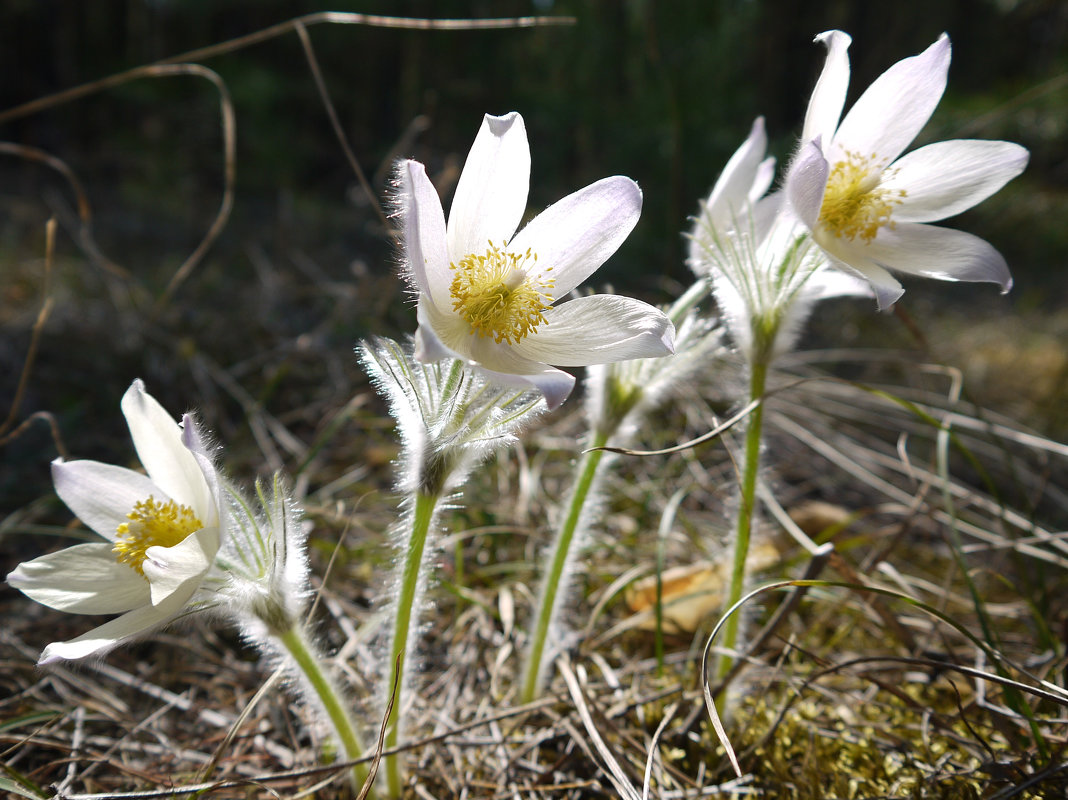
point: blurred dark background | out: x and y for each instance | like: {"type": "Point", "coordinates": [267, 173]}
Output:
{"type": "Point", "coordinates": [660, 91]}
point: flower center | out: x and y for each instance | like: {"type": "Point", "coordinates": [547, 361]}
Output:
{"type": "Point", "coordinates": [152, 523]}
{"type": "Point", "coordinates": [497, 296]}
{"type": "Point", "coordinates": [853, 203]}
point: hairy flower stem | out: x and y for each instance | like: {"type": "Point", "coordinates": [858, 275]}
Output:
{"type": "Point", "coordinates": [561, 551]}
{"type": "Point", "coordinates": [422, 516]}
{"type": "Point", "coordinates": [746, 511]}
{"type": "Point", "coordinates": [309, 662]}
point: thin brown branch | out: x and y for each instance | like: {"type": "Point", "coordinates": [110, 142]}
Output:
{"type": "Point", "coordinates": [335, 123]}
{"type": "Point", "coordinates": [274, 31]}
{"type": "Point", "coordinates": [226, 111]}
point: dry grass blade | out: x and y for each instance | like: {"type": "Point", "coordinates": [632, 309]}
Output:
{"type": "Point", "coordinates": [229, 147]}
{"type": "Point", "coordinates": [669, 715]}
{"type": "Point", "coordinates": [229, 136]}
{"type": "Point", "coordinates": [84, 236]}
{"type": "Point", "coordinates": [268, 686]}
{"type": "Point", "coordinates": [719, 430]}
{"type": "Point", "coordinates": [335, 123]}
{"type": "Point", "coordinates": [281, 29]}
{"type": "Point", "coordinates": [616, 774]}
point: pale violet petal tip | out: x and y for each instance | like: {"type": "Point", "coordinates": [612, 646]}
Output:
{"type": "Point", "coordinates": [886, 296]}
{"type": "Point", "coordinates": [668, 339]}
{"type": "Point", "coordinates": [894, 108]}
{"type": "Point", "coordinates": [555, 386]}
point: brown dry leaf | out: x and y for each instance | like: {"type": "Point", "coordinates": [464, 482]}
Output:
{"type": "Point", "coordinates": [816, 516]}
{"type": "Point", "coordinates": [691, 593]}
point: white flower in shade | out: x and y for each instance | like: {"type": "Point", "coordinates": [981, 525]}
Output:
{"type": "Point", "coordinates": [765, 275]}
{"type": "Point", "coordinates": [745, 179]}
{"type": "Point", "coordinates": [487, 293]}
{"type": "Point", "coordinates": [865, 206]}
{"type": "Point", "coordinates": [160, 533]}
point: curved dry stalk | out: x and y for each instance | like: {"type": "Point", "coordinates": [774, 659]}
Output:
{"type": "Point", "coordinates": [35, 333]}
{"type": "Point", "coordinates": [272, 32]}
{"type": "Point", "coordinates": [226, 111]}
{"type": "Point", "coordinates": [85, 211]}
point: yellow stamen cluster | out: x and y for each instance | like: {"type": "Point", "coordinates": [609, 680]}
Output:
{"type": "Point", "coordinates": [853, 204]}
{"type": "Point", "coordinates": [152, 523]}
{"type": "Point", "coordinates": [495, 293]}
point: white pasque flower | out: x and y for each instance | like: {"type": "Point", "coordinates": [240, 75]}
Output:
{"type": "Point", "coordinates": [161, 533]}
{"type": "Point", "coordinates": [866, 207]}
{"type": "Point", "coordinates": [487, 293]}
{"type": "Point", "coordinates": [765, 275]}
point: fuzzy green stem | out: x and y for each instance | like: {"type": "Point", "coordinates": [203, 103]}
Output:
{"type": "Point", "coordinates": [561, 549]}
{"type": "Point", "coordinates": [747, 503]}
{"type": "Point", "coordinates": [422, 516]}
{"type": "Point", "coordinates": [309, 662]}
{"type": "Point", "coordinates": [458, 576]}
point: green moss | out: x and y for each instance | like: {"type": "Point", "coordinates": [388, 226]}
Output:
{"type": "Point", "coordinates": [912, 742]}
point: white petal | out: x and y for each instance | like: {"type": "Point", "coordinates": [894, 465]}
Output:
{"type": "Point", "coordinates": [101, 495]}
{"type": "Point", "coordinates": [731, 192]}
{"type": "Point", "coordinates": [765, 176]}
{"type": "Point", "coordinates": [424, 233]}
{"type": "Point", "coordinates": [895, 107]}
{"type": "Point", "coordinates": [767, 219]}
{"type": "Point", "coordinates": [945, 178]}
{"type": "Point", "coordinates": [158, 441]}
{"type": "Point", "coordinates": [826, 283]}
{"type": "Point", "coordinates": [825, 105]}
{"type": "Point", "coordinates": [428, 346]}
{"type": "Point", "coordinates": [447, 336]}
{"type": "Point", "coordinates": [555, 385]}
{"type": "Point", "coordinates": [854, 258]}
{"type": "Point", "coordinates": [597, 330]}
{"type": "Point", "coordinates": [491, 194]}
{"type": "Point", "coordinates": [83, 579]}
{"type": "Point", "coordinates": [577, 234]}
{"type": "Point", "coordinates": [181, 567]}
{"type": "Point", "coordinates": [504, 365]}
{"type": "Point", "coordinates": [99, 640]}
{"type": "Point", "coordinates": [441, 334]}
{"type": "Point", "coordinates": [942, 253]}
{"type": "Point", "coordinates": [806, 182]}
